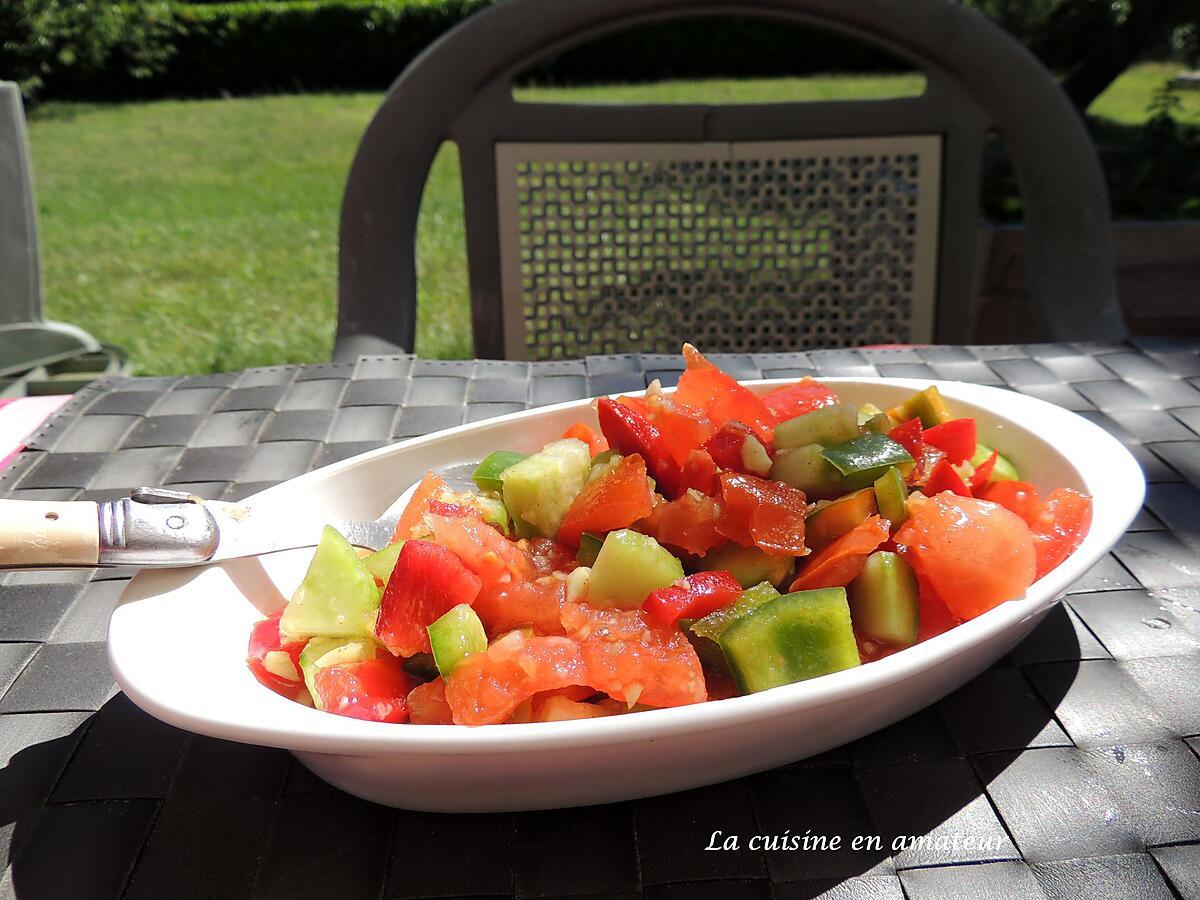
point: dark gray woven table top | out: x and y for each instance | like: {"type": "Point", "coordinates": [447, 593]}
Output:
{"type": "Point", "coordinates": [1070, 769]}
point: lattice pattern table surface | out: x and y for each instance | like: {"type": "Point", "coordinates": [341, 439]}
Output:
{"type": "Point", "coordinates": [1070, 769]}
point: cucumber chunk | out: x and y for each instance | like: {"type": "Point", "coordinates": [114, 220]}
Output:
{"type": "Point", "coordinates": [884, 603]}
{"type": "Point", "coordinates": [928, 405]}
{"type": "Point", "coordinates": [1002, 471]}
{"type": "Point", "coordinates": [338, 596]}
{"type": "Point", "coordinates": [867, 457]}
{"type": "Point", "coordinates": [455, 636]}
{"type": "Point", "coordinates": [827, 426]}
{"type": "Point", "coordinates": [487, 474]}
{"type": "Point", "coordinates": [381, 562]}
{"type": "Point", "coordinates": [791, 638]}
{"type": "Point", "coordinates": [325, 651]}
{"type": "Point", "coordinates": [629, 566]}
{"type": "Point", "coordinates": [539, 489]}
{"type": "Point", "coordinates": [714, 624]}
{"type": "Point", "coordinates": [748, 565]}
{"type": "Point", "coordinates": [891, 496]}
{"type": "Point", "coordinates": [830, 522]}
{"type": "Point", "coordinates": [807, 468]}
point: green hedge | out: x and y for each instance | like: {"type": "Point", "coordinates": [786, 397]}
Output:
{"type": "Point", "coordinates": [285, 45]}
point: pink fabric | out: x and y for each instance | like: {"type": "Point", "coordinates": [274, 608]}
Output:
{"type": "Point", "coordinates": [22, 416]}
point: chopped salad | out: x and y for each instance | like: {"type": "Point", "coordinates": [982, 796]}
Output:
{"type": "Point", "coordinates": [702, 544]}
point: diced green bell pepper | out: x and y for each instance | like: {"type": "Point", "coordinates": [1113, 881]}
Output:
{"type": "Point", "coordinates": [712, 625]}
{"type": "Point", "coordinates": [884, 602]}
{"type": "Point", "coordinates": [865, 458]}
{"type": "Point", "coordinates": [825, 525]}
{"type": "Point", "coordinates": [455, 636]}
{"type": "Point", "coordinates": [827, 426]}
{"type": "Point", "coordinates": [589, 548]}
{"type": "Point", "coordinates": [791, 638]}
{"type": "Point", "coordinates": [487, 473]}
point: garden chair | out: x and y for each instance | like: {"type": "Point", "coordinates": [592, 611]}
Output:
{"type": "Point", "coordinates": [782, 226]}
{"type": "Point", "coordinates": [36, 355]}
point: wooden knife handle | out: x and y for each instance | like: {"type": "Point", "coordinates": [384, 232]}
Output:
{"type": "Point", "coordinates": [48, 533]}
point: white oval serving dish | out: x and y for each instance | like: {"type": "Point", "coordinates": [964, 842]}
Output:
{"type": "Point", "coordinates": [211, 609]}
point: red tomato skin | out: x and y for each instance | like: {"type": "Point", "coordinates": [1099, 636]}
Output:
{"type": "Point", "coordinates": [945, 478]}
{"type": "Point", "coordinates": [696, 597]}
{"type": "Point", "coordinates": [797, 399]}
{"type": "Point", "coordinates": [264, 639]}
{"type": "Point", "coordinates": [973, 554]}
{"type": "Point", "coordinates": [629, 432]}
{"type": "Point", "coordinates": [955, 438]}
{"type": "Point", "coordinates": [581, 432]}
{"type": "Point", "coordinates": [428, 580]}
{"type": "Point", "coordinates": [762, 513]}
{"type": "Point", "coordinates": [617, 500]}
{"type": "Point", "coordinates": [706, 387]}
{"type": "Point", "coordinates": [842, 561]}
{"type": "Point", "coordinates": [375, 690]}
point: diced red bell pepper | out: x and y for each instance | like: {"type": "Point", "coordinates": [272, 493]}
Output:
{"type": "Point", "coordinates": [736, 448]}
{"type": "Point", "coordinates": [945, 477]}
{"type": "Point", "coordinates": [629, 432]}
{"type": "Point", "coordinates": [427, 582]}
{"type": "Point", "coordinates": [761, 513]}
{"type": "Point", "coordinates": [617, 500]}
{"type": "Point", "coordinates": [375, 690]}
{"type": "Point", "coordinates": [265, 639]}
{"type": "Point", "coordinates": [842, 561]}
{"type": "Point", "coordinates": [693, 597]}
{"type": "Point", "coordinates": [797, 399]}
{"type": "Point", "coordinates": [956, 438]}
{"type": "Point", "coordinates": [581, 432]}
{"type": "Point", "coordinates": [689, 523]}
{"type": "Point", "coordinates": [908, 435]}
{"type": "Point", "coordinates": [431, 485]}
{"type": "Point", "coordinates": [706, 387]}
{"type": "Point", "coordinates": [983, 472]}
{"type": "Point", "coordinates": [700, 473]}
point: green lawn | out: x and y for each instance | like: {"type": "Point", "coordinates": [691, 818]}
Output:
{"type": "Point", "coordinates": [202, 235]}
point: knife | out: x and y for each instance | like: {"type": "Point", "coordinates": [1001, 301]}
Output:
{"type": "Point", "coordinates": [155, 527]}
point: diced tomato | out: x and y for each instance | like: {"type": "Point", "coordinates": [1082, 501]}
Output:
{"type": "Point", "coordinates": [265, 639]}
{"type": "Point", "coordinates": [427, 704]}
{"type": "Point", "coordinates": [1019, 497]}
{"type": "Point", "coordinates": [634, 659]}
{"type": "Point", "coordinates": [908, 435]}
{"type": "Point", "coordinates": [762, 513]}
{"type": "Point", "coordinates": [418, 505]}
{"type": "Point", "coordinates": [684, 429]}
{"type": "Point", "coordinates": [581, 432]}
{"type": "Point", "coordinates": [706, 387]}
{"type": "Point", "coordinates": [797, 399]}
{"type": "Point", "coordinates": [956, 438]}
{"type": "Point", "coordinates": [616, 500]}
{"type": "Point", "coordinates": [842, 561]}
{"type": "Point", "coordinates": [454, 510]}
{"type": "Point", "coordinates": [735, 447]}
{"type": "Point", "coordinates": [973, 554]}
{"type": "Point", "coordinates": [700, 473]}
{"type": "Point", "coordinates": [629, 432]}
{"type": "Point", "coordinates": [375, 690]}
{"type": "Point", "coordinates": [936, 617]}
{"type": "Point", "coordinates": [944, 477]}
{"type": "Point", "coordinates": [1060, 527]}
{"type": "Point", "coordinates": [983, 472]}
{"type": "Point", "coordinates": [485, 688]}
{"type": "Point", "coordinates": [535, 603]}
{"type": "Point", "coordinates": [550, 556]}
{"type": "Point", "coordinates": [428, 580]}
{"type": "Point", "coordinates": [693, 598]}
{"type": "Point", "coordinates": [689, 523]}
{"type": "Point", "coordinates": [496, 560]}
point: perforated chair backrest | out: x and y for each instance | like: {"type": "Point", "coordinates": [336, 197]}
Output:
{"type": "Point", "coordinates": [748, 227]}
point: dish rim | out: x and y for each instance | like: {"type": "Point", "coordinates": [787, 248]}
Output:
{"type": "Point", "coordinates": [1107, 462]}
